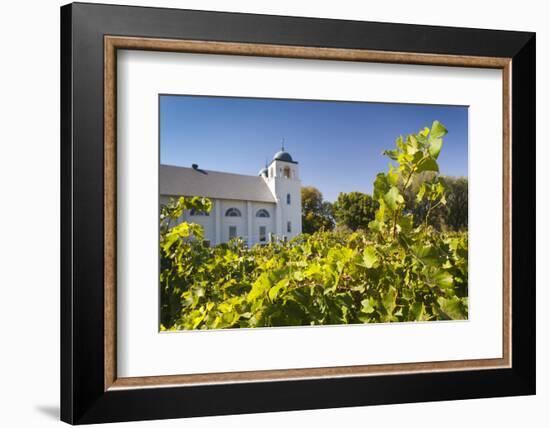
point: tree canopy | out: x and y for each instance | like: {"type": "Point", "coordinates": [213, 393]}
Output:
{"type": "Point", "coordinates": [453, 215]}
{"type": "Point", "coordinates": [355, 210]}
{"type": "Point", "coordinates": [316, 213]}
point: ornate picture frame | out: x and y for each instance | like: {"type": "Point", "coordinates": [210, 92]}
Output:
{"type": "Point", "coordinates": [91, 389]}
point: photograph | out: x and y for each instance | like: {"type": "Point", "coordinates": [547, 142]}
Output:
{"type": "Point", "coordinates": [286, 212]}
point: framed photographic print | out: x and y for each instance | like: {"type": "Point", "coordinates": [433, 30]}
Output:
{"type": "Point", "coordinates": [265, 213]}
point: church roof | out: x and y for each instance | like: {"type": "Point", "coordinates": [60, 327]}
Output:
{"type": "Point", "coordinates": [183, 181]}
{"type": "Point", "coordinates": [283, 156]}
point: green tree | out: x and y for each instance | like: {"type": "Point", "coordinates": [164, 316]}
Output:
{"type": "Point", "coordinates": [456, 212]}
{"type": "Point", "coordinates": [355, 210]}
{"type": "Point", "coordinates": [453, 215]}
{"type": "Point", "coordinates": [316, 213]}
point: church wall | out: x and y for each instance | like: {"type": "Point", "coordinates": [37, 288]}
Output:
{"type": "Point", "coordinates": [206, 221]}
{"type": "Point", "coordinates": [209, 222]}
{"type": "Point", "coordinates": [281, 186]}
{"type": "Point", "coordinates": [239, 222]}
{"type": "Point", "coordinates": [290, 213]}
{"type": "Point", "coordinates": [269, 223]}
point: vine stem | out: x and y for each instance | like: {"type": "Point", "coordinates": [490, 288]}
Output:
{"type": "Point", "coordinates": [413, 169]}
{"type": "Point", "coordinates": [429, 211]}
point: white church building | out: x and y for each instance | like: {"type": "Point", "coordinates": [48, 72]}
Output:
{"type": "Point", "coordinates": [254, 208]}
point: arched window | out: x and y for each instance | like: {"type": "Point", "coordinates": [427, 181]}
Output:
{"type": "Point", "coordinates": [262, 213]}
{"type": "Point", "coordinates": [286, 172]}
{"type": "Point", "coordinates": [233, 212]}
{"type": "Point", "coordinates": [288, 198]}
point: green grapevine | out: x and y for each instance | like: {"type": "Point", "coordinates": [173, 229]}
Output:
{"type": "Point", "coordinates": [399, 269]}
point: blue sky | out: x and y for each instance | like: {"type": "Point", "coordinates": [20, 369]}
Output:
{"type": "Point", "coordinates": [338, 145]}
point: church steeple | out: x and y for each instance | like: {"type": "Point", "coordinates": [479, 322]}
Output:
{"type": "Point", "coordinates": [284, 182]}
{"type": "Point", "coordinates": [283, 155]}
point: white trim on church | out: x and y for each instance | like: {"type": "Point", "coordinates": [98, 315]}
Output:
{"type": "Point", "coordinates": [254, 208]}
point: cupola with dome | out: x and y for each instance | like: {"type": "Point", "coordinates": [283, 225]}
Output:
{"type": "Point", "coordinates": [263, 172]}
{"type": "Point", "coordinates": [282, 177]}
{"type": "Point", "coordinates": [281, 166]}
{"type": "Point", "coordinates": [283, 155]}
{"type": "Point", "coordinates": [280, 158]}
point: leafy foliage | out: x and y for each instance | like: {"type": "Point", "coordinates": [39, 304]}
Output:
{"type": "Point", "coordinates": [399, 269]}
{"type": "Point", "coordinates": [355, 210]}
{"type": "Point", "coordinates": [316, 213]}
{"type": "Point", "coordinates": [455, 216]}
{"type": "Point", "coordinates": [452, 216]}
